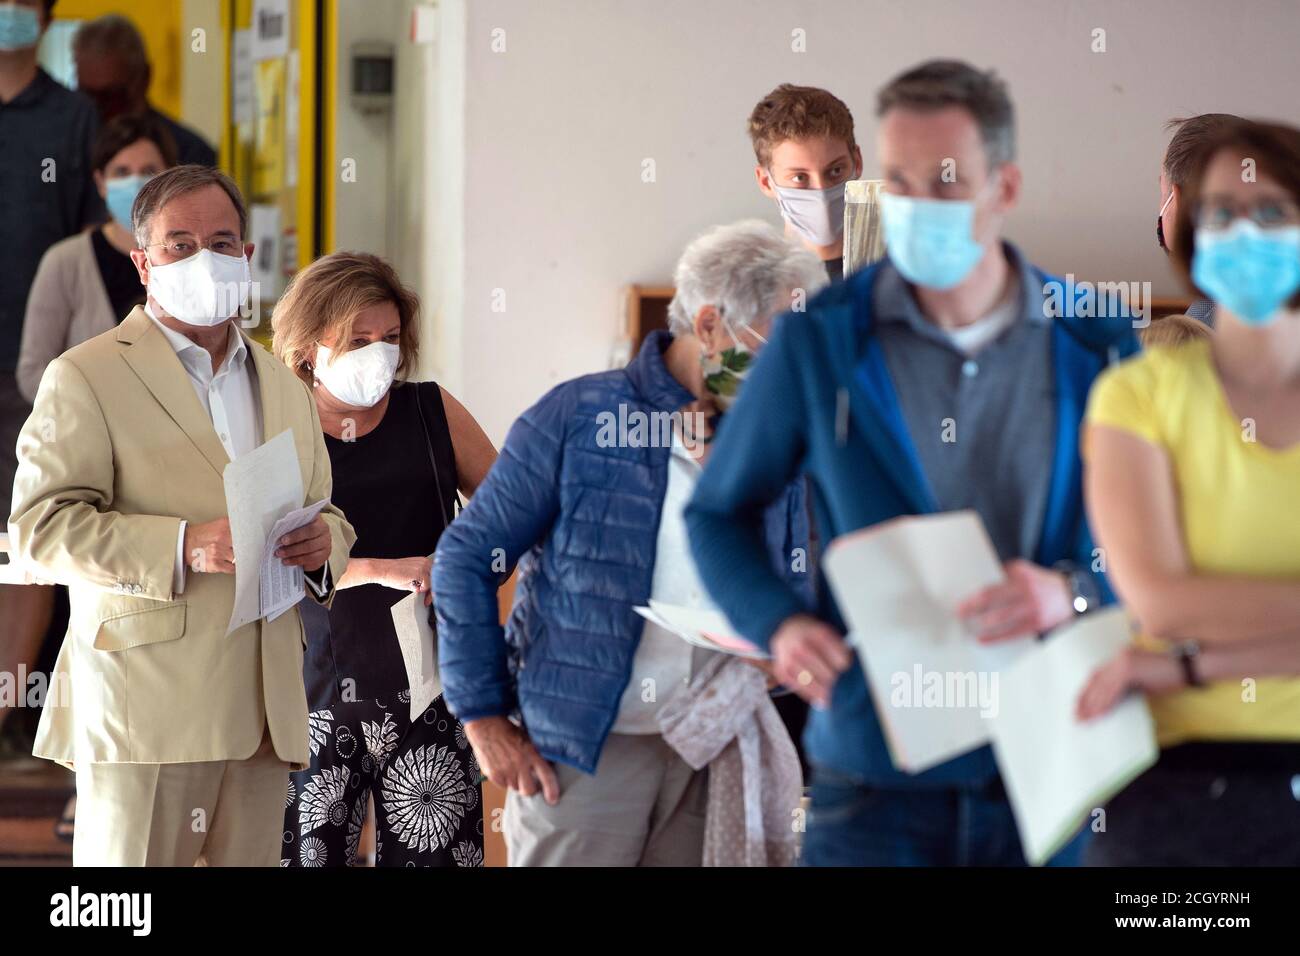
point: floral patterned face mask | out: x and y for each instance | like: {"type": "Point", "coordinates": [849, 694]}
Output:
{"type": "Point", "coordinates": [724, 372]}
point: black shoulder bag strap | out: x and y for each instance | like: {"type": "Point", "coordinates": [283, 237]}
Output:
{"type": "Point", "coordinates": [433, 461]}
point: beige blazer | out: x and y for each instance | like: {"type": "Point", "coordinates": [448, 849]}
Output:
{"type": "Point", "coordinates": [67, 305]}
{"type": "Point", "coordinates": [118, 449]}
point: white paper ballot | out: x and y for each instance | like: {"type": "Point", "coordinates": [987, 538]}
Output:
{"type": "Point", "coordinates": [419, 650]}
{"type": "Point", "coordinates": [262, 487]}
{"type": "Point", "coordinates": [702, 627]}
{"type": "Point", "coordinates": [1056, 769]}
{"type": "Point", "coordinates": [283, 585]}
{"type": "Point", "coordinates": [898, 585]}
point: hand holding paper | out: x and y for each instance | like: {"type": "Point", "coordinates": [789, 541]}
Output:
{"type": "Point", "coordinates": [1032, 600]}
{"type": "Point", "coordinates": [419, 646]}
{"type": "Point", "coordinates": [898, 585]}
{"type": "Point", "coordinates": [282, 584]}
{"type": "Point", "coordinates": [808, 657]}
{"type": "Point", "coordinates": [306, 546]}
{"type": "Point", "coordinates": [264, 502]}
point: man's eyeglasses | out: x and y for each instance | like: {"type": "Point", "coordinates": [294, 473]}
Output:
{"type": "Point", "coordinates": [179, 247]}
{"type": "Point", "coordinates": [1268, 212]}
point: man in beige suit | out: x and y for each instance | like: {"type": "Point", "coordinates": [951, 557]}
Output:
{"type": "Point", "coordinates": [182, 737]}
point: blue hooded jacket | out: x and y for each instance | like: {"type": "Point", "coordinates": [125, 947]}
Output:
{"type": "Point", "coordinates": [583, 513]}
{"type": "Point", "coordinates": [820, 402]}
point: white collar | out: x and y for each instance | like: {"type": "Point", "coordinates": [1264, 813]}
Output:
{"type": "Point", "coordinates": [181, 344]}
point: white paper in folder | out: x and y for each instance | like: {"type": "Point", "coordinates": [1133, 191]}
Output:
{"type": "Point", "coordinates": [1057, 769]}
{"type": "Point", "coordinates": [898, 585]}
{"type": "Point", "coordinates": [419, 647]}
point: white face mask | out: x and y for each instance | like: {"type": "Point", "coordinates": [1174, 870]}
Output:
{"type": "Point", "coordinates": [361, 377]}
{"type": "Point", "coordinates": [815, 214]}
{"type": "Point", "coordinates": [204, 290]}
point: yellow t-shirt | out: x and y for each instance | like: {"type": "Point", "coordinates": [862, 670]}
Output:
{"type": "Point", "coordinates": [1239, 501]}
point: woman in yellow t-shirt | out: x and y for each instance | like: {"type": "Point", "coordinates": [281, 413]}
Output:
{"type": "Point", "coordinates": [1193, 490]}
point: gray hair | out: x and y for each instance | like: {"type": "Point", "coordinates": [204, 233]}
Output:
{"type": "Point", "coordinates": [177, 181]}
{"type": "Point", "coordinates": [939, 83]}
{"type": "Point", "coordinates": [743, 269]}
{"type": "Point", "coordinates": [116, 35]}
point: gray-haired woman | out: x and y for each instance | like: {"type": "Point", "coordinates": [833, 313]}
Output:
{"type": "Point", "coordinates": [593, 485]}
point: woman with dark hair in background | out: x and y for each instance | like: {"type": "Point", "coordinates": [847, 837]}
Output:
{"type": "Point", "coordinates": [86, 284]}
{"type": "Point", "coordinates": [1193, 466]}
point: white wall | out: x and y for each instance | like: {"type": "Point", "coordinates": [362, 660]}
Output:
{"type": "Point", "coordinates": [362, 208]}
{"type": "Point", "coordinates": [408, 201]}
{"type": "Point", "coordinates": [556, 215]}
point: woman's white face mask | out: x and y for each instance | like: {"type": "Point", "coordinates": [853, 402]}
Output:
{"type": "Point", "coordinates": [360, 377]}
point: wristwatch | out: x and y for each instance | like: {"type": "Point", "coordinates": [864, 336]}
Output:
{"type": "Point", "coordinates": [1187, 653]}
{"type": "Point", "coordinates": [1080, 584]}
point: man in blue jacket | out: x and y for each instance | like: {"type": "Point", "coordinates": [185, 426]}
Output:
{"type": "Point", "coordinates": [951, 375]}
{"type": "Point", "coordinates": [591, 486]}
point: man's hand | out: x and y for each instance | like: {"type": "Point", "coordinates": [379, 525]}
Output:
{"type": "Point", "coordinates": [208, 548]}
{"type": "Point", "coordinates": [1030, 601]}
{"type": "Point", "coordinates": [767, 669]}
{"type": "Point", "coordinates": [307, 547]}
{"type": "Point", "coordinates": [509, 759]}
{"type": "Point", "coordinates": [1131, 669]}
{"type": "Point", "coordinates": [808, 656]}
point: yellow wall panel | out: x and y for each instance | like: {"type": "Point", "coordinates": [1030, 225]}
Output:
{"type": "Point", "coordinates": [159, 23]}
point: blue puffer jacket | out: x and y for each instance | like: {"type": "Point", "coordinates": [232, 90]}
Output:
{"type": "Point", "coordinates": [585, 512]}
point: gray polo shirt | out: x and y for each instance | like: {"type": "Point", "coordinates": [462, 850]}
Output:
{"type": "Point", "coordinates": [984, 426]}
{"type": "Point", "coordinates": [46, 190]}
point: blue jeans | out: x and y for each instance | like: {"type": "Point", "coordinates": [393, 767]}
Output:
{"type": "Point", "coordinates": [854, 824]}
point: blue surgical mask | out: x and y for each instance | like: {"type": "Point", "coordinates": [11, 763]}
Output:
{"type": "Point", "coordinates": [121, 193]}
{"type": "Point", "coordinates": [930, 241]}
{"type": "Point", "coordinates": [20, 28]}
{"type": "Point", "coordinates": [1247, 270]}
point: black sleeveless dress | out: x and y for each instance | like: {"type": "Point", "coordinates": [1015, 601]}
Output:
{"type": "Point", "coordinates": [386, 486]}
{"type": "Point", "coordinates": [397, 486]}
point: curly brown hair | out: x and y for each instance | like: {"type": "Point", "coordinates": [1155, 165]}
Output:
{"type": "Point", "coordinates": [796, 113]}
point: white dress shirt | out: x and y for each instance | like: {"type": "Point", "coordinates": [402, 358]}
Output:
{"type": "Point", "coordinates": [231, 399]}
{"type": "Point", "coordinates": [662, 656]}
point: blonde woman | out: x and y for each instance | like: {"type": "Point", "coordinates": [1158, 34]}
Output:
{"type": "Point", "coordinates": [399, 452]}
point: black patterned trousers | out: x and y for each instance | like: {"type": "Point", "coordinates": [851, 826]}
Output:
{"type": "Point", "coordinates": [422, 774]}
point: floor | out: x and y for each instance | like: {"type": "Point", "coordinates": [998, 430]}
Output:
{"type": "Point", "coordinates": [33, 794]}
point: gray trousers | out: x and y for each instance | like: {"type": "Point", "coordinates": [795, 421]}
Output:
{"type": "Point", "coordinates": [644, 806]}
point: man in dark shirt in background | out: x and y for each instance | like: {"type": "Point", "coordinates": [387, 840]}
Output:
{"type": "Point", "coordinates": [113, 70]}
{"type": "Point", "coordinates": [46, 194]}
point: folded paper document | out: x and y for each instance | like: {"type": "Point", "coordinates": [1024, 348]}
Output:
{"type": "Point", "coordinates": [419, 647]}
{"type": "Point", "coordinates": [264, 503]}
{"type": "Point", "coordinates": [898, 585]}
{"type": "Point", "coordinates": [702, 627]}
{"type": "Point", "coordinates": [1057, 770]}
